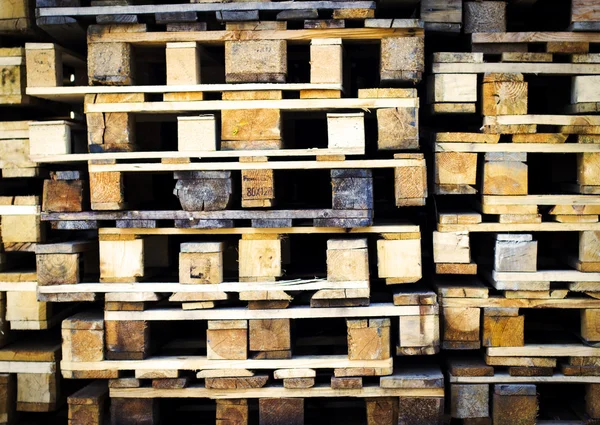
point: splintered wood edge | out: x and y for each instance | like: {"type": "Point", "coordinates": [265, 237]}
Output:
{"type": "Point", "coordinates": [276, 392]}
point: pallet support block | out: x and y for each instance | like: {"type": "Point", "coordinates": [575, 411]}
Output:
{"type": "Point", "coordinates": [484, 16]}
{"type": "Point", "coordinates": [382, 410]}
{"type": "Point", "coordinates": [134, 411]}
{"type": "Point", "coordinates": [420, 410]}
{"type": "Point", "coordinates": [505, 178]}
{"type": "Point", "coordinates": [590, 324]}
{"type": "Point", "coordinates": [592, 400]}
{"type": "Point", "coordinates": [50, 137]}
{"type": "Point", "coordinates": [346, 130]}
{"type": "Point", "coordinates": [461, 327]}
{"type": "Point", "coordinates": [197, 133]}
{"type": "Point", "coordinates": [107, 191]}
{"type": "Point", "coordinates": [402, 59]}
{"type": "Point", "coordinates": [232, 412]}
{"type": "Point", "coordinates": [227, 340]}
{"type": "Point", "coordinates": [126, 340]}
{"type": "Point", "coordinates": [418, 335]}
{"type": "Point", "coordinates": [347, 260]}
{"type": "Point", "coordinates": [399, 258]}
{"type": "Point", "coordinates": [326, 61]}
{"type": "Point", "coordinates": [469, 401]}
{"type": "Point", "coordinates": [37, 392]}
{"type": "Point", "coordinates": [65, 192]}
{"type": "Point", "coordinates": [368, 339]}
{"type": "Point", "coordinates": [270, 338]}
{"type": "Point", "coordinates": [455, 168]}
{"type": "Point", "coordinates": [502, 331]}
{"type": "Point", "coordinates": [203, 190]}
{"type": "Point", "coordinates": [453, 89]}
{"type": "Point", "coordinates": [281, 411]}
{"type": "Point", "coordinates": [201, 262]}
{"type": "Point", "coordinates": [111, 64]}
{"type": "Point", "coordinates": [8, 395]}
{"type": "Point", "coordinates": [589, 250]}
{"type": "Point", "coordinates": [260, 257]}
{"type": "Point", "coordinates": [515, 253]}
{"type": "Point", "coordinates": [83, 338]}
{"type": "Point", "coordinates": [44, 65]}
{"type": "Point", "coordinates": [87, 406]}
{"type": "Point", "coordinates": [514, 404]}
{"type": "Point", "coordinates": [22, 228]}
{"type": "Point", "coordinates": [504, 94]}
{"type": "Point", "coordinates": [258, 186]}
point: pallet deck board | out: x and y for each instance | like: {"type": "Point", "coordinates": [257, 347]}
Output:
{"type": "Point", "coordinates": [500, 302]}
{"type": "Point", "coordinates": [545, 350]}
{"type": "Point", "coordinates": [525, 68]}
{"type": "Point", "coordinates": [546, 276]}
{"type": "Point", "coordinates": [505, 378]}
{"type": "Point", "coordinates": [518, 147]}
{"type": "Point", "coordinates": [519, 227]}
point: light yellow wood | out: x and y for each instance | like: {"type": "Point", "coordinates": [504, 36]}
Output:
{"type": "Point", "coordinates": [183, 63]}
{"type": "Point", "coordinates": [346, 130]}
{"type": "Point", "coordinates": [504, 178]}
{"type": "Point", "coordinates": [326, 61]}
{"type": "Point", "coordinates": [454, 88]}
{"type": "Point", "coordinates": [22, 306]}
{"type": "Point", "coordinates": [197, 133]}
{"type": "Point", "coordinates": [347, 260]}
{"type": "Point", "coordinates": [419, 331]}
{"type": "Point", "coordinates": [399, 259]}
{"type": "Point", "coordinates": [120, 259]}
{"type": "Point", "coordinates": [451, 247]}
{"type": "Point", "coordinates": [37, 388]}
{"type": "Point", "coordinates": [260, 258]}
{"type": "Point", "coordinates": [455, 168]}
{"type": "Point", "coordinates": [590, 324]}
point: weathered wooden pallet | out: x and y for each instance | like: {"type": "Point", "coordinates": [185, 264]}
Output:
{"type": "Point", "coordinates": [127, 12]}
{"type": "Point", "coordinates": [36, 386]}
{"type": "Point", "coordinates": [208, 270]}
{"type": "Point", "coordinates": [454, 87]}
{"type": "Point", "coordinates": [478, 391]}
{"type": "Point", "coordinates": [464, 306]}
{"type": "Point", "coordinates": [206, 191]}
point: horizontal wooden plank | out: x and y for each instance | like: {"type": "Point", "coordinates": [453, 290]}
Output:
{"type": "Point", "coordinates": [545, 350]}
{"type": "Point", "coordinates": [547, 276]}
{"type": "Point", "coordinates": [197, 363]}
{"type": "Point", "coordinates": [18, 286]}
{"type": "Point", "coordinates": [201, 7]}
{"type": "Point", "coordinates": [295, 312]}
{"type": "Point", "coordinates": [519, 227]}
{"type": "Point", "coordinates": [321, 390]}
{"type": "Point", "coordinates": [517, 67]}
{"type": "Point", "coordinates": [207, 215]}
{"type": "Point", "coordinates": [271, 165]}
{"type": "Point", "coordinates": [518, 147]}
{"type": "Point", "coordinates": [501, 302]}
{"type": "Point", "coordinates": [542, 120]}
{"type": "Point", "coordinates": [283, 104]}
{"type": "Point", "coordinates": [27, 367]}
{"type": "Point", "coordinates": [219, 37]}
{"type": "Point", "coordinates": [273, 153]}
{"type": "Point", "coordinates": [19, 209]}
{"type": "Point", "coordinates": [533, 37]}
{"type": "Point", "coordinates": [154, 287]}
{"type": "Point", "coordinates": [505, 378]}
{"type": "Point", "coordinates": [398, 228]}
{"type": "Point", "coordinates": [541, 200]}
{"type": "Point", "coordinates": [76, 94]}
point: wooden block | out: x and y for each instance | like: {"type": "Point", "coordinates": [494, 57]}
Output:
{"type": "Point", "coordinates": [126, 340]}
{"type": "Point", "coordinates": [12, 86]}
{"type": "Point", "coordinates": [567, 47]}
{"type": "Point", "coordinates": [397, 128]}
{"type": "Point", "coordinates": [584, 88]}
{"type": "Point", "coordinates": [49, 137]}
{"type": "Point", "coordinates": [410, 186]}
{"type": "Point", "coordinates": [347, 260]}
{"type": "Point", "coordinates": [202, 267]}
{"type": "Point", "coordinates": [86, 406]}
{"type": "Point", "coordinates": [256, 61]}
{"type": "Point", "coordinates": [270, 335]}
{"type": "Point", "coordinates": [183, 63]}
{"type": "Point", "coordinates": [298, 383]}
{"type": "Point", "coordinates": [451, 247]}
{"type": "Point", "coordinates": [368, 339]}
{"type": "Point", "coordinates": [402, 58]}
{"type": "Point", "coordinates": [260, 258]}
{"type": "Point", "coordinates": [34, 389]}
{"type": "Point", "coordinates": [587, 169]}
{"type": "Point", "coordinates": [419, 331]}
{"type": "Point", "coordinates": [420, 410]}
{"type": "Point", "coordinates": [452, 88]}
{"type": "Point", "coordinates": [590, 324]}
{"type": "Point", "coordinates": [121, 259]}
{"type": "Point", "coordinates": [258, 188]}
{"type": "Point", "coordinates": [346, 130]}
{"type": "Point", "coordinates": [232, 412]}
{"type": "Point", "coordinates": [346, 383]}
{"type": "Point", "coordinates": [487, 16]}
{"type": "Point", "coordinates": [456, 268]}
{"type": "Point", "coordinates": [111, 64]}
{"type": "Point", "coordinates": [592, 400]}
{"type": "Point", "coordinates": [504, 178]}
{"type": "Point", "coordinates": [8, 394]}
{"type": "Point", "coordinates": [381, 410]}
{"type": "Point", "coordinates": [455, 168]}
{"type": "Point", "coordinates": [469, 401]}
{"type": "Point", "coordinates": [504, 98]}
{"type": "Point", "coordinates": [503, 331]}
{"type": "Point", "coordinates": [111, 131]}
{"type": "Point", "coordinates": [197, 133]}
{"type": "Point", "coordinates": [352, 189]}
{"type": "Point", "coordinates": [63, 196]}
{"type": "Point", "coordinates": [204, 190]}
{"type": "Point", "coordinates": [44, 66]}
{"type": "Point", "coordinates": [281, 411]}
{"type": "Point", "coordinates": [251, 126]}
{"type": "Point", "coordinates": [107, 190]}
{"type": "Point", "coordinates": [461, 324]}
{"type": "Point", "coordinates": [57, 269]}
{"type": "Point", "coordinates": [24, 306]}
{"type": "Point", "coordinates": [589, 246]}
{"type": "Point", "coordinates": [22, 228]}
{"type": "Point", "coordinates": [399, 259]}
{"type": "Point", "coordinates": [134, 411]}
{"type": "Point", "coordinates": [83, 338]}
{"type": "Point", "coordinates": [515, 253]}
{"type": "Point", "coordinates": [227, 340]}
{"type": "Point", "coordinates": [326, 61]}
{"type": "Point", "coordinates": [514, 409]}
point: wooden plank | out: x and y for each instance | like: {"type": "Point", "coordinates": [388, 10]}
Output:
{"type": "Point", "coordinates": [568, 120]}
{"type": "Point", "coordinates": [516, 67]}
{"type": "Point", "coordinates": [547, 276]}
{"type": "Point", "coordinates": [519, 227]}
{"type": "Point", "coordinates": [283, 104]}
{"type": "Point", "coordinates": [545, 350]}
{"type": "Point", "coordinates": [294, 312]}
{"type": "Point", "coordinates": [275, 391]}
{"type": "Point", "coordinates": [501, 302]}
{"type": "Point", "coordinates": [518, 147]}
{"type": "Point", "coordinates": [504, 377]}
